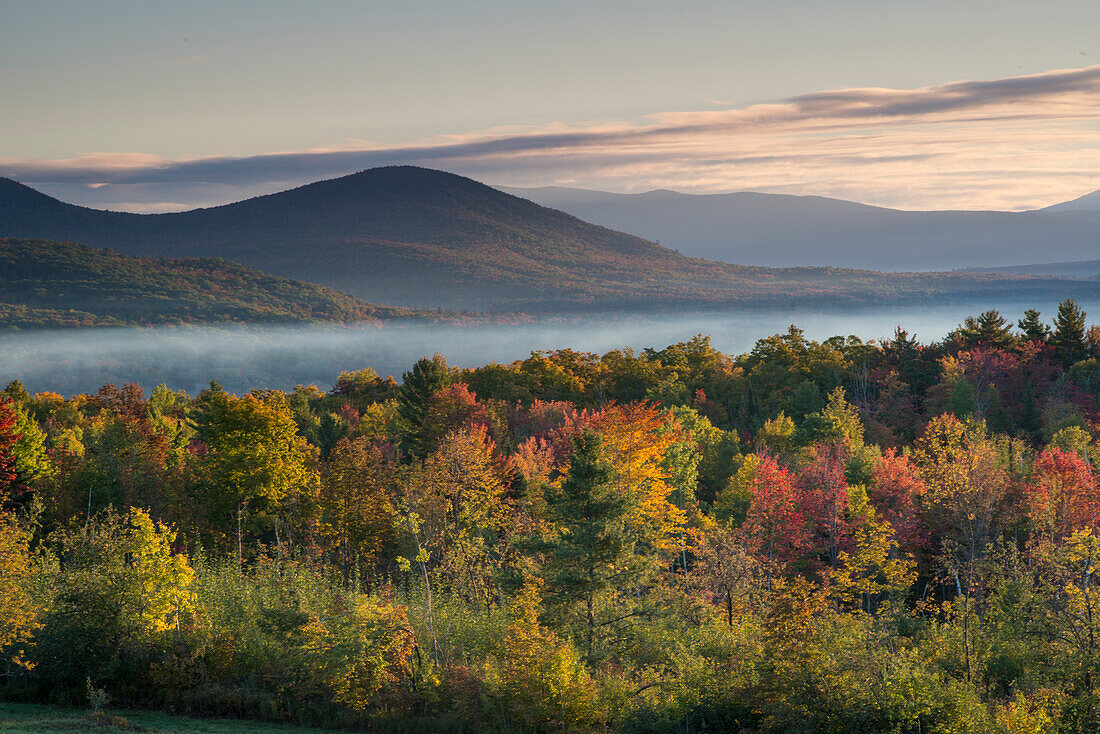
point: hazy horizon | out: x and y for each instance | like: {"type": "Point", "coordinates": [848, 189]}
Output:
{"type": "Point", "coordinates": [243, 358]}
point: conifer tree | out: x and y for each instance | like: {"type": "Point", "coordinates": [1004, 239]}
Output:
{"type": "Point", "coordinates": [1069, 332]}
{"type": "Point", "coordinates": [428, 376]}
{"type": "Point", "coordinates": [1033, 329]}
{"type": "Point", "coordinates": [590, 551]}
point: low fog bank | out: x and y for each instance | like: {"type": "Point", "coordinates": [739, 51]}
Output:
{"type": "Point", "coordinates": [243, 358]}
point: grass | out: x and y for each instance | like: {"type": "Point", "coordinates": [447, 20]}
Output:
{"type": "Point", "coordinates": [21, 718]}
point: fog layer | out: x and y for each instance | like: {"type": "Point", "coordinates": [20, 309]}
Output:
{"type": "Point", "coordinates": [242, 358]}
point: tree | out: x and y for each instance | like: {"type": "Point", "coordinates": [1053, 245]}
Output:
{"type": "Point", "coordinates": [8, 439]}
{"type": "Point", "coordinates": [897, 492]}
{"type": "Point", "coordinates": [1068, 339]}
{"type": "Point", "coordinates": [418, 387]}
{"type": "Point", "coordinates": [637, 439]}
{"type": "Point", "coordinates": [966, 484]}
{"type": "Point", "coordinates": [251, 470]}
{"type": "Point", "coordinates": [540, 682]}
{"type": "Point", "coordinates": [356, 515]}
{"type": "Point", "coordinates": [1033, 329]}
{"type": "Point", "coordinates": [460, 494]}
{"type": "Point", "coordinates": [451, 408]}
{"type": "Point", "coordinates": [120, 586]}
{"type": "Point", "coordinates": [1062, 495]}
{"type": "Point", "coordinates": [775, 526]}
{"type": "Point", "coordinates": [989, 329]}
{"type": "Point", "coordinates": [590, 552]}
{"type": "Point", "coordinates": [18, 610]}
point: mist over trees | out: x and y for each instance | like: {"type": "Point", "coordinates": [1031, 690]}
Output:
{"type": "Point", "coordinates": [830, 535]}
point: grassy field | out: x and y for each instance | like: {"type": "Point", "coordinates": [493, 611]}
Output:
{"type": "Point", "coordinates": [18, 718]}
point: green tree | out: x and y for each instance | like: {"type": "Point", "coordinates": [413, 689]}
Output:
{"type": "Point", "coordinates": [989, 328]}
{"type": "Point", "coordinates": [1033, 329]}
{"type": "Point", "coordinates": [118, 589]}
{"type": "Point", "coordinates": [418, 387]}
{"type": "Point", "coordinates": [1069, 332]}
{"type": "Point", "coordinates": [590, 550]}
{"type": "Point", "coordinates": [252, 472]}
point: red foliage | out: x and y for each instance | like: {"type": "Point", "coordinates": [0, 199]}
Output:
{"type": "Point", "coordinates": [1062, 494]}
{"type": "Point", "coordinates": [775, 526]}
{"type": "Point", "coordinates": [895, 493]}
{"type": "Point", "coordinates": [450, 409]}
{"type": "Point", "coordinates": [8, 437]}
{"type": "Point", "coordinates": [823, 498]}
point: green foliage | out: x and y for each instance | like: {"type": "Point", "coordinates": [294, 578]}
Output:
{"type": "Point", "coordinates": [590, 553]}
{"type": "Point", "coordinates": [1068, 338]}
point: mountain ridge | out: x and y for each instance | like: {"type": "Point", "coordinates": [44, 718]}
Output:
{"type": "Point", "coordinates": [784, 230]}
{"type": "Point", "coordinates": [416, 237]}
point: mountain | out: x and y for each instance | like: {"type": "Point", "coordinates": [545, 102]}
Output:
{"type": "Point", "coordinates": [1086, 203]}
{"type": "Point", "coordinates": [1076, 270]}
{"type": "Point", "coordinates": [49, 284]}
{"type": "Point", "coordinates": [418, 237]}
{"type": "Point", "coordinates": [783, 231]}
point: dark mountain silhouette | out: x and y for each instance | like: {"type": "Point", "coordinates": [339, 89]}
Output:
{"type": "Point", "coordinates": [418, 237]}
{"type": "Point", "coordinates": [783, 231]}
{"type": "Point", "coordinates": [49, 284]}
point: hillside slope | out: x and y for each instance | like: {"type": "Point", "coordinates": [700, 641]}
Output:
{"type": "Point", "coordinates": [50, 284]}
{"type": "Point", "coordinates": [417, 237]}
{"type": "Point", "coordinates": [783, 231]}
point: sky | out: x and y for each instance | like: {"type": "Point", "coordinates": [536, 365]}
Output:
{"type": "Point", "coordinates": [156, 106]}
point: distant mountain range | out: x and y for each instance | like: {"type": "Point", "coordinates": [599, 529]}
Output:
{"type": "Point", "coordinates": [422, 238]}
{"type": "Point", "coordinates": [54, 284]}
{"type": "Point", "coordinates": [785, 231]}
{"type": "Point", "coordinates": [1086, 203]}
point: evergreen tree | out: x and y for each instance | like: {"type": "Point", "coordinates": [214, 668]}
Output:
{"type": "Point", "coordinates": [1033, 329]}
{"type": "Point", "coordinates": [590, 551]}
{"type": "Point", "coordinates": [428, 376]}
{"type": "Point", "coordinates": [1069, 332]}
{"type": "Point", "coordinates": [990, 329]}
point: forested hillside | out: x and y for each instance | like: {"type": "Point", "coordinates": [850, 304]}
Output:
{"type": "Point", "coordinates": [814, 536]}
{"type": "Point", "coordinates": [54, 284]}
{"type": "Point", "coordinates": [427, 239]}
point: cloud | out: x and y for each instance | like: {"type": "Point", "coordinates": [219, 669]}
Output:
{"type": "Point", "coordinates": [194, 60]}
{"type": "Point", "coordinates": [915, 148]}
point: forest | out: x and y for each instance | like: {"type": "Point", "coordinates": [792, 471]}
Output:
{"type": "Point", "coordinates": [835, 536]}
{"type": "Point", "coordinates": [49, 285]}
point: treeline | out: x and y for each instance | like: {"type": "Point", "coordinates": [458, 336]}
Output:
{"type": "Point", "coordinates": [814, 536]}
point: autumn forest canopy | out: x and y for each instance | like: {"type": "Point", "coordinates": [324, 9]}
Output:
{"type": "Point", "coordinates": [834, 536]}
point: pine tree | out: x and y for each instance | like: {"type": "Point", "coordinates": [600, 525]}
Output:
{"type": "Point", "coordinates": [990, 329]}
{"type": "Point", "coordinates": [1069, 332]}
{"type": "Point", "coordinates": [428, 376]}
{"type": "Point", "coordinates": [590, 551]}
{"type": "Point", "coordinates": [1033, 329]}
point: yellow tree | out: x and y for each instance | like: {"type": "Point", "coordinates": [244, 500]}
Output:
{"type": "Point", "coordinates": [636, 438]}
{"type": "Point", "coordinates": [356, 514]}
{"type": "Point", "coordinates": [966, 485]}
{"type": "Point", "coordinates": [539, 681]}
{"type": "Point", "coordinates": [18, 611]}
{"type": "Point", "coordinates": [459, 498]}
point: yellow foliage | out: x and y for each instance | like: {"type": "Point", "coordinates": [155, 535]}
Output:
{"type": "Point", "coordinates": [18, 613]}
{"type": "Point", "coordinates": [539, 681]}
{"type": "Point", "coordinates": [164, 577]}
{"type": "Point", "coordinates": [635, 439]}
{"type": "Point", "coordinates": [361, 653]}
